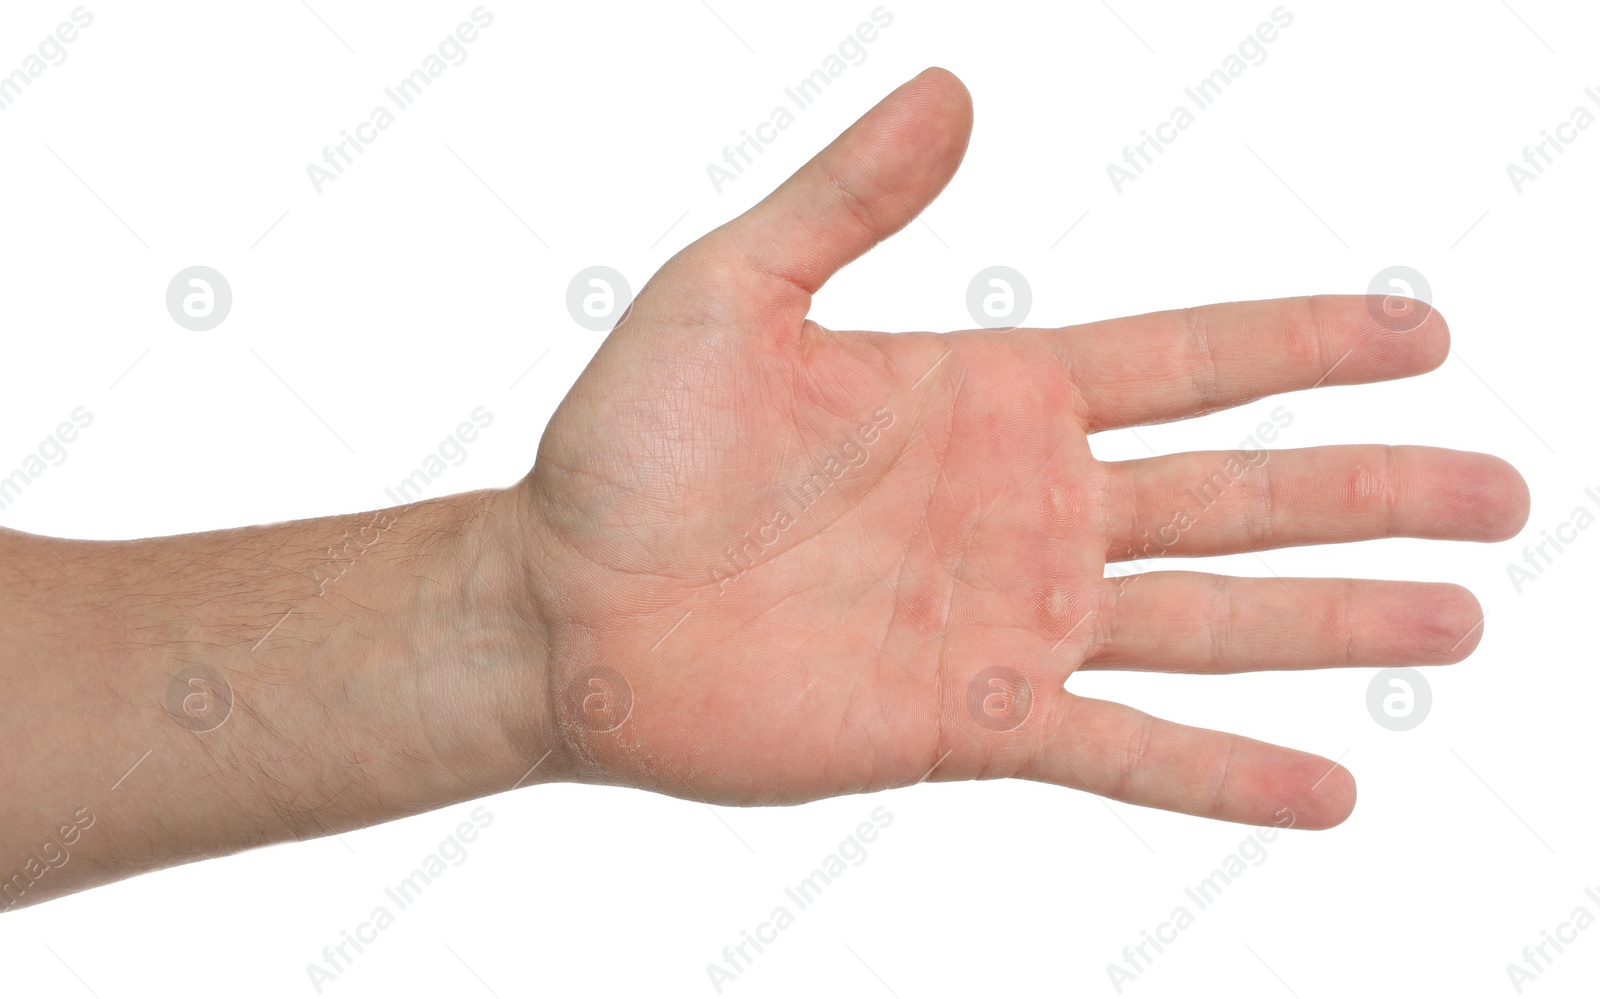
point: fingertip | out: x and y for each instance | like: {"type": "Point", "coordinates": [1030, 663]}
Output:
{"type": "Point", "coordinates": [1456, 618]}
{"type": "Point", "coordinates": [938, 75]}
{"type": "Point", "coordinates": [1433, 337]}
{"type": "Point", "coordinates": [1415, 331]}
{"type": "Point", "coordinates": [1380, 337]}
{"type": "Point", "coordinates": [949, 87]}
{"type": "Point", "coordinates": [1293, 790]}
{"type": "Point", "coordinates": [1327, 800]}
{"type": "Point", "coordinates": [1466, 496]}
{"type": "Point", "coordinates": [1516, 501]}
{"type": "Point", "coordinates": [940, 105]}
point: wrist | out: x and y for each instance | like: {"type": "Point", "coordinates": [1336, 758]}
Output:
{"type": "Point", "coordinates": [497, 695]}
{"type": "Point", "coordinates": [446, 659]}
{"type": "Point", "coordinates": [380, 665]}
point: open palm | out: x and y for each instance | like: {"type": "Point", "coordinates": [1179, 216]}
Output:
{"type": "Point", "coordinates": [787, 562]}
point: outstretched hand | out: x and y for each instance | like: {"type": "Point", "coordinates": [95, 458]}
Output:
{"type": "Point", "coordinates": [780, 562]}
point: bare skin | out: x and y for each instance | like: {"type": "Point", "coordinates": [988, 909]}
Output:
{"type": "Point", "coordinates": [757, 561]}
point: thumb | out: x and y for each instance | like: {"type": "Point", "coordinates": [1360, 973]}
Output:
{"type": "Point", "coordinates": [866, 186]}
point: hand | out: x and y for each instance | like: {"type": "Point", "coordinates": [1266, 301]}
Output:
{"type": "Point", "coordinates": [777, 562]}
{"type": "Point", "coordinates": [757, 561]}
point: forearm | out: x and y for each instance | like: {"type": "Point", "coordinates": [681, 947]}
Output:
{"type": "Point", "coordinates": [175, 698]}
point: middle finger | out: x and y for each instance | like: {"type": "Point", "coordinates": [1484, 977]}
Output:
{"type": "Point", "coordinates": [1222, 502]}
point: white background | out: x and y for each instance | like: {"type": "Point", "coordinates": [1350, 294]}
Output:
{"type": "Point", "coordinates": [371, 319]}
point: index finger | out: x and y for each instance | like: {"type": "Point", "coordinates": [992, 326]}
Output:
{"type": "Point", "coordinates": [1186, 362]}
